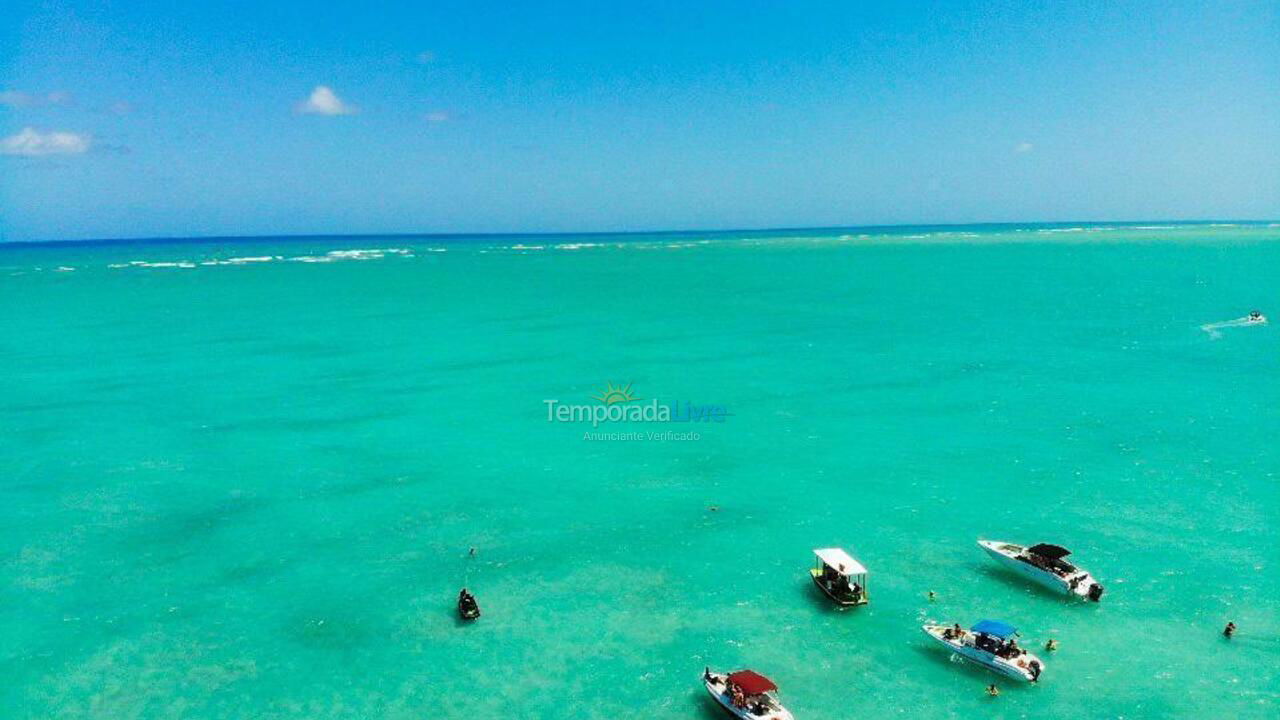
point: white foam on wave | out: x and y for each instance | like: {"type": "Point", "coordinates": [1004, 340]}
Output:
{"type": "Point", "coordinates": [353, 254]}
{"type": "Point", "coordinates": [243, 260]}
{"type": "Point", "coordinates": [361, 254]}
{"type": "Point", "coordinates": [146, 264]}
{"type": "Point", "coordinates": [331, 256]}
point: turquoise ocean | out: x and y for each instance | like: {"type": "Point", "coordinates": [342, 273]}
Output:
{"type": "Point", "coordinates": [241, 478]}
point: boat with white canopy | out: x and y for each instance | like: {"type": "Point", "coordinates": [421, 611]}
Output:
{"type": "Point", "coordinates": [841, 577]}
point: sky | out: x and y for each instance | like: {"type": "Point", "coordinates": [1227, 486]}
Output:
{"type": "Point", "coordinates": [166, 119]}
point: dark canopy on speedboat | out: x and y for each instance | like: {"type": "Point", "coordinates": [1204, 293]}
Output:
{"type": "Point", "coordinates": [752, 682]}
{"type": "Point", "coordinates": [995, 628]}
{"type": "Point", "coordinates": [1052, 552]}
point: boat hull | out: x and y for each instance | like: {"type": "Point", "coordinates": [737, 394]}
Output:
{"type": "Point", "coordinates": [841, 600]}
{"type": "Point", "coordinates": [1020, 668]}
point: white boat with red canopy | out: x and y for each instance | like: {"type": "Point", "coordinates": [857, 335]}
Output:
{"type": "Point", "coordinates": [745, 694]}
{"type": "Point", "coordinates": [1047, 565]}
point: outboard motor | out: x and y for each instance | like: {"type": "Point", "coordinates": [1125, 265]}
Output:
{"type": "Point", "coordinates": [1035, 670]}
{"type": "Point", "coordinates": [1095, 592]}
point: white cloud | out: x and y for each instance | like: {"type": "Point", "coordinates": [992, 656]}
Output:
{"type": "Point", "coordinates": [33, 143]}
{"type": "Point", "coordinates": [438, 116]}
{"type": "Point", "coordinates": [1023, 147]}
{"type": "Point", "coordinates": [20, 99]}
{"type": "Point", "coordinates": [324, 101]}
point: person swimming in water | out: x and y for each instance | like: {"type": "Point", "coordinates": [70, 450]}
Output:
{"type": "Point", "coordinates": [1051, 645]}
{"type": "Point", "coordinates": [993, 691]}
{"type": "Point", "coordinates": [1229, 630]}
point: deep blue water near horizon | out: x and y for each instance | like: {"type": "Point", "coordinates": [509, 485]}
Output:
{"type": "Point", "coordinates": [240, 479]}
{"type": "Point", "coordinates": [880, 232]}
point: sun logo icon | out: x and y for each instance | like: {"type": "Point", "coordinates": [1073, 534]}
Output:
{"type": "Point", "coordinates": [613, 395]}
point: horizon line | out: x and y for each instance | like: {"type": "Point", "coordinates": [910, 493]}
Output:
{"type": "Point", "coordinates": [142, 240]}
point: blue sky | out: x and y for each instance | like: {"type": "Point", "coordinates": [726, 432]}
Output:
{"type": "Point", "coordinates": [141, 119]}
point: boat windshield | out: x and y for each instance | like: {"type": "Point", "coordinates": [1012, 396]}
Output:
{"type": "Point", "coordinates": [997, 646]}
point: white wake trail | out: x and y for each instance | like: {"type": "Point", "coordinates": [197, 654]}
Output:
{"type": "Point", "coordinates": [1251, 320]}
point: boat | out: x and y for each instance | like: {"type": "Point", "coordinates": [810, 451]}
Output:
{"type": "Point", "coordinates": [1257, 318]}
{"type": "Point", "coordinates": [840, 576]}
{"type": "Point", "coordinates": [1045, 564]}
{"type": "Point", "coordinates": [745, 694]}
{"type": "Point", "coordinates": [468, 608]}
{"type": "Point", "coordinates": [991, 644]}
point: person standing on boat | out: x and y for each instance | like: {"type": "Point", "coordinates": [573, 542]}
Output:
{"type": "Point", "coordinates": [737, 696]}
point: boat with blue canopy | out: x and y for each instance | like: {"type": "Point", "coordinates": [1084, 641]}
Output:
{"type": "Point", "coordinates": [992, 644]}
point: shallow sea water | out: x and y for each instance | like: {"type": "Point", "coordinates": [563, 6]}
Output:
{"type": "Point", "coordinates": [241, 478]}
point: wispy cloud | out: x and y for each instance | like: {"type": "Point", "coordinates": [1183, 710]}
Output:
{"type": "Point", "coordinates": [323, 101]}
{"type": "Point", "coordinates": [1023, 147]}
{"type": "Point", "coordinates": [33, 143]}
{"type": "Point", "coordinates": [20, 99]}
{"type": "Point", "coordinates": [435, 117]}
{"type": "Point", "coordinates": [426, 57]}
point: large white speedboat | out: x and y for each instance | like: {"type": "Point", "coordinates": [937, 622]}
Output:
{"type": "Point", "coordinates": [745, 694]}
{"type": "Point", "coordinates": [991, 644]}
{"type": "Point", "coordinates": [1045, 564]}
